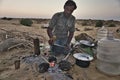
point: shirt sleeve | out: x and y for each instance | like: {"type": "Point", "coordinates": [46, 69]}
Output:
{"type": "Point", "coordinates": [53, 21]}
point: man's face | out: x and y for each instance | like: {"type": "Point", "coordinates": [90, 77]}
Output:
{"type": "Point", "coordinates": [68, 10]}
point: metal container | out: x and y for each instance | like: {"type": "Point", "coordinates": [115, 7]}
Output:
{"type": "Point", "coordinates": [82, 59]}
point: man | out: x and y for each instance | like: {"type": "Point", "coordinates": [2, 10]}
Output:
{"type": "Point", "coordinates": [61, 28]}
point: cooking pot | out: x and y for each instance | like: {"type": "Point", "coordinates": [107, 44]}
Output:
{"type": "Point", "coordinates": [83, 59]}
{"type": "Point", "coordinates": [87, 43]}
{"type": "Point", "coordinates": [43, 67]}
{"type": "Point", "coordinates": [65, 65]}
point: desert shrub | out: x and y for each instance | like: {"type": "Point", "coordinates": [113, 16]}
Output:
{"type": "Point", "coordinates": [84, 23]}
{"type": "Point", "coordinates": [111, 25]}
{"type": "Point", "coordinates": [5, 18]}
{"type": "Point", "coordinates": [26, 22]}
{"type": "Point", "coordinates": [99, 23]}
{"type": "Point", "coordinates": [118, 30]}
{"type": "Point", "coordinates": [87, 29]}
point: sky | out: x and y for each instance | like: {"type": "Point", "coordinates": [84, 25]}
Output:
{"type": "Point", "coordinates": [86, 9]}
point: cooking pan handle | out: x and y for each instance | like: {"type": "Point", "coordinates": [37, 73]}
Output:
{"type": "Point", "coordinates": [44, 59]}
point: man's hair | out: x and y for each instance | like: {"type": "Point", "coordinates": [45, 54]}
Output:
{"type": "Point", "coordinates": [70, 3]}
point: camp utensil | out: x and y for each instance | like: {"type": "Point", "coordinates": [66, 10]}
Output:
{"type": "Point", "coordinates": [83, 59]}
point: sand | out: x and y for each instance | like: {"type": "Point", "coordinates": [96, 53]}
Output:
{"type": "Point", "coordinates": [26, 72]}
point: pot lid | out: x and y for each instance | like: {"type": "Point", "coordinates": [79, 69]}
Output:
{"type": "Point", "coordinates": [87, 43]}
{"type": "Point", "coordinates": [83, 56]}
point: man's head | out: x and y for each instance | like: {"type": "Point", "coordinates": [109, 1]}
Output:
{"type": "Point", "coordinates": [70, 3]}
{"type": "Point", "coordinates": [69, 7]}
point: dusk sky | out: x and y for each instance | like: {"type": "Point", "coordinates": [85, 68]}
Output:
{"type": "Point", "coordinates": [86, 9]}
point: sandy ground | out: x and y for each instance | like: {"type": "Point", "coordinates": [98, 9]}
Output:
{"type": "Point", "coordinates": [26, 72]}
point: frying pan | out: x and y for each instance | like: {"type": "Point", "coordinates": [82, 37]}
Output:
{"type": "Point", "coordinates": [43, 67]}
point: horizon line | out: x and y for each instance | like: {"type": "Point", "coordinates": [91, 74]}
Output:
{"type": "Point", "coordinates": [50, 18]}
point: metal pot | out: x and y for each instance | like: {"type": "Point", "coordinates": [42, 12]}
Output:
{"type": "Point", "coordinates": [65, 65]}
{"type": "Point", "coordinates": [83, 64]}
{"type": "Point", "coordinates": [87, 43]}
{"type": "Point", "coordinates": [83, 59]}
{"type": "Point", "coordinates": [43, 67]}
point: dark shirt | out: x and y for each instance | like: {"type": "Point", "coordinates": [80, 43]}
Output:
{"type": "Point", "coordinates": [61, 25]}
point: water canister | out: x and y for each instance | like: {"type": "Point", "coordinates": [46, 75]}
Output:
{"type": "Point", "coordinates": [101, 33]}
{"type": "Point", "coordinates": [108, 55]}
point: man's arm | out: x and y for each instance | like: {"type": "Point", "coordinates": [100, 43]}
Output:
{"type": "Point", "coordinates": [52, 38]}
{"type": "Point", "coordinates": [49, 32]}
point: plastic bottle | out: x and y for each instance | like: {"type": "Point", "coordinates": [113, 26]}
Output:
{"type": "Point", "coordinates": [108, 55]}
{"type": "Point", "coordinates": [102, 33]}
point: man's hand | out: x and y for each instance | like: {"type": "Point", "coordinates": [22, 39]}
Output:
{"type": "Point", "coordinates": [67, 47]}
{"type": "Point", "coordinates": [51, 41]}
